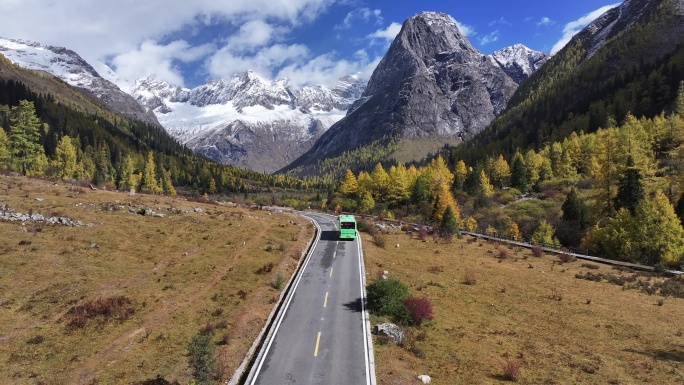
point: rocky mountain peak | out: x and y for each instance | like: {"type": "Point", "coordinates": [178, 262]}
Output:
{"type": "Point", "coordinates": [430, 83]}
{"type": "Point", "coordinates": [518, 61]}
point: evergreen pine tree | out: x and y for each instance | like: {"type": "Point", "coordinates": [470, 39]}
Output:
{"type": "Point", "coordinates": [574, 210]}
{"type": "Point", "coordinates": [24, 139]}
{"type": "Point", "coordinates": [5, 155]}
{"type": "Point", "coordinates": [679, 210]}
{"type": "Point", "coordinates": [519, 173]}
{"type": "Point", "coordinates": [630, 189]}
{"type": "Point", "coordinates": [679, 103]}
{"type": "Point", "coordinates": [448, 226]}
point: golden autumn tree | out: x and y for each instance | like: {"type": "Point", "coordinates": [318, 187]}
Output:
{"type": "Point", "coordinates": [441, 200]}
{"type": "Point", "coordinates": [365, 183]}
{"type": "Point", "coordinates": [65, 158]}
{"type": "Point", "coordinates": [380, 180]}
{"type": "Point", "coordinates": [349, 185]}
{"type": "Point", "coordinates": [500, 171]}
{"type": "Point", "coordinates": [486, 187]}
{"type": "Point", "coordinates": [398, 189]}
{"type": "Point", "coordinates": [460, 172]}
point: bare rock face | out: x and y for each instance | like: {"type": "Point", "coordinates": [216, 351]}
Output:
{"type": "Point", "coordinates": [431, 82]}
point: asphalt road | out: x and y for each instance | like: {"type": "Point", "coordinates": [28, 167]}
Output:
{"type": "Point", "coordinates": [321, 338]}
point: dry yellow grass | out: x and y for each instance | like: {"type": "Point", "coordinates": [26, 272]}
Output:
{"type": "Point", "coordinates": [533, 311]}
{"type": "Point", "coordinates": [180, 272]}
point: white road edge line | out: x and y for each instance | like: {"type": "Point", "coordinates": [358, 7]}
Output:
{"type": "Point", "coordinates": [286, 305]}
{"type": "Point", "coordinates": [368, 343]}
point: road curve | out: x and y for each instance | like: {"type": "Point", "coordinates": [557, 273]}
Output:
{"type": "Point", "coordinates": [321, 337]}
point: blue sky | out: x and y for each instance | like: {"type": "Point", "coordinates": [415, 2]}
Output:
{"type": "Point", "coordinates": [308, 41]}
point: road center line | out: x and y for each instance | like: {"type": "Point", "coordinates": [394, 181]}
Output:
{"type": "Point", "coordinates": [318, 341]}
{"type": "Point", "coordinates": [325, 303]}
{"type": "Point", "coordinates": [331, 269]}
{"type": "Point", "coordinates": [335, 255]}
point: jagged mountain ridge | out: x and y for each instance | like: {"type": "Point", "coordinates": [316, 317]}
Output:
{"type": "Point", "coordinates": [518, 61]}
{"type": "Point", "coordinates": [430, 83]}
{"type": "Point", "coordinates": [248, 121]}
{"type": "Point", "coordinates": [68, 66]}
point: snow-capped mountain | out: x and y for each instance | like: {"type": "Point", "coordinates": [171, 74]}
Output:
{"type": "Point", "coordinates": [518, 61]}
{"type": "Point", "coordinates": [248, 121]}
{"type": "Point", "coordinates": [68, 66]}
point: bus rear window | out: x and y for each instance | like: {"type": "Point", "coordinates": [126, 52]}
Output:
{"type": "Point", "coordinates": [347, 225]}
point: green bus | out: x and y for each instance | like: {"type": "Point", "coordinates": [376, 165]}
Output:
{"type": "Point", "coordinates": [347, 226]}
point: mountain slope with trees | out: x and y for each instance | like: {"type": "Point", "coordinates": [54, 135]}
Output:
{"type": "Point", "coordinates": [628, 61]}
{"type": "Point", "coordinates": [64, 132]}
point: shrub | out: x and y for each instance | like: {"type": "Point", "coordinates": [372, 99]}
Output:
{"type": "Point", "coordinates": [362, 226]}
{"type": "Point", "coordinates": [159, 380]}
{"type": "Point", "coordinates": [118, 308]}
{"type": "Point", "coordinates": [242, 294]}
{"type": "Point", "coordinates": [503, 253]}
{"type": "Point", "coordinates": [278, 282]}
{"type": "Point", "coordinates": [208, 328]}
{"type": "Point", "coordinates": [470, 279]}
{"type": "Point", "coordinates": [420, 309]}
{"type": "Point", "coordinates": [537, 251]}
{"type": "Point", "coordinates": [422, 234]}
{"type": "Point", "coordinates": [201, 358]}
{"type": "Point", "coordinates": [566, 257]}
{"type": "Point", "coordinates": [386, 297]}
{"type": "Point", "coordinates": [379, 240]}
{"type": "Point", "coordinates": [35, 340]}
{"type": "Point", "coordinates": [511, 371]}
{"type": "Point", "coordinates": [267, 268]}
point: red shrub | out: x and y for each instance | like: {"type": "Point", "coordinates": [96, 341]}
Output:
{"type": "Point", "coordinates": [537, 251]}
{"type": "Point", "coordinates": [503, 254]}
{"type": "Point", "coordinates": [566, 257]}
{"type": "Point", "coordinates": [420, 309]}
{"type": "Point", "coordinates": [511, 371]}
{"type": "Point", "coordinates": [422, 234]}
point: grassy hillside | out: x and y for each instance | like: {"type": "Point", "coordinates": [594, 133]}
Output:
{"type": "Point", "coordinates": [118, 300]}
{"type": "Point", "coordinates": [530, 310]}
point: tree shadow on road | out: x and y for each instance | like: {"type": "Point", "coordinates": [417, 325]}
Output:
{"type": "Point", "coordinates": [354, 306]}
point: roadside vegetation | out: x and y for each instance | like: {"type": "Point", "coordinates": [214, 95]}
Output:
{"type": "Point", "coordinates": [503, 313]}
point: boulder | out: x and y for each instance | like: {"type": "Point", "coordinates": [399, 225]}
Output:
{"type": "Point", "coordinates": [425, 378]}
{"type": "Point", "coordinates": [395, 332]}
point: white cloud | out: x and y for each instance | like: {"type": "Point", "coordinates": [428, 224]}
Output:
{"type": "Point", "coordinates": [545, 21]}
{"type": "Point", "coordinates": [128, 33]}
{"type": "Point", "coordinates": [573, 27]}
{"type": "Point", "coordinates": [388, 34]}
{"type": "Point", "coordinates": [501, 21]}
{"type": "Point", "coordinates": [152, 58]}
{"type": "Point", "coordinates": [465, 29]}
{"type": "Point", "coordinates": [225, 63]}
{"type": "Point", "coordinates": [492, 37]}
{"type": "Point", "coordinates": [252, 35]}
{"type": "Point", "coordinates": [363, 14]}
{"type": "Point", "coordinates": [327, 69]}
